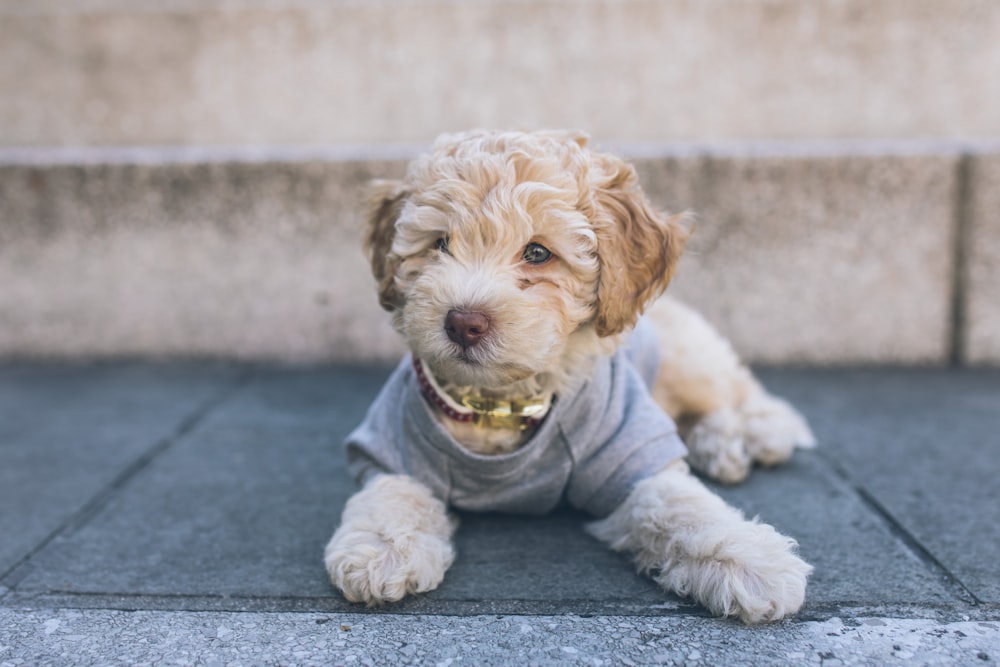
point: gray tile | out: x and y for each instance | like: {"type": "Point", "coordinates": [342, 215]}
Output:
{"type": "Point", "coordinates": [66, 432]}
{"type": "Point", "coordinates": [538, 560]}
{"type": "Point", "coordinates": [241, 508]}
{"type": "Point", "coordinates": [857, 558]}
{"type": "Point", "coordinates": [311, 399]}
{"type": "Point", "coordinates": [926, 446]}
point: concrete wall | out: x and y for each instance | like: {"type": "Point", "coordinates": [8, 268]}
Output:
{"type": "Point", "coordinates": [882, 247]}
{"type": "Point", "coordinates": [981, 274]}
{"type": "Point", "coordinates": [308, 72]}
{"type": "Point", "coordinates": [825, 254]}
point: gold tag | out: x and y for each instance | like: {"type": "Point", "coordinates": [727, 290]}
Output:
{"type": "Point", "coordinates": [499, 413]}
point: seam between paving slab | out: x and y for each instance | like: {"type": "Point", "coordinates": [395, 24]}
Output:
{"type": "Point", "coordinates": [962, 216]}
{"type": "Point", "coordinates": [13, 575]}
{"type": "Point", "coordinates": [951, 582]}
{"type": "Point", "coordinates": [424, 606]}
{"type": "Point", "coordinates": [421, 606]}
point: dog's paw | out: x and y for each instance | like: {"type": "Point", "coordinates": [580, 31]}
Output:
{"type": "Point", "coordinates": [695, 545]}
{"type": "Point", "coordinates": [367, 567]}
{"type": "Point", "coordinates": [394, 540]}
{"type": "Point", "coordinates": [752, 574]}
{"type": "Point", "coordinates": [773, 429]}
{"type": "Point", "coordinates": [716, 447]}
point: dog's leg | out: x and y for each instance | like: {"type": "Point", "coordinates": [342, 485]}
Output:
{"type": "Point", "coordinates": [695, 545]}
{"type": "Point", "coordinates": [726, 417]}
{"type": "Point", "coordinates": [394, 539]}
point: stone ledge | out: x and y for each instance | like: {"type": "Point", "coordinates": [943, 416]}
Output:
{"type": "Point", "coordinates": [811, 255]}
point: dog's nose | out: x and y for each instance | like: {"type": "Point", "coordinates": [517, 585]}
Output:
{"type": "Point", "coordinates": [466, 327]}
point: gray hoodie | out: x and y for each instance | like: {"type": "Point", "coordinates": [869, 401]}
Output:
{"type": "Point", "coordinates": [598, 441]}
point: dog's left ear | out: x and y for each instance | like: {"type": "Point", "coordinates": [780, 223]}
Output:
{"type": "Point", "coordinates": [386, 201]}
{"type": "Point", "coordinates": [638, 247]}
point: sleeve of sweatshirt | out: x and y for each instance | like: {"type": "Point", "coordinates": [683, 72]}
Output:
{"type": "Point", "coordinates": [373, 447]}
{"type": "Point", "coordinates": [623, 438]}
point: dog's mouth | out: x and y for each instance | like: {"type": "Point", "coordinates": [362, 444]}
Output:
{"type": "Point", "coordinates": [474, 360]}
{"type": "Point", "coordinates": [467, 357]}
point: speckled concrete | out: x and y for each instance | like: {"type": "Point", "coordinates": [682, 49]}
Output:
{"type": "Point", "coordinates": [69, 638]}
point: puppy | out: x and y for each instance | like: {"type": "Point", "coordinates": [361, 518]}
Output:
{"type": "Point", "coordinates": [516, 266]}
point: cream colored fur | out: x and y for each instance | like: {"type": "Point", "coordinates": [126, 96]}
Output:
{"type": "Point", "coordinates": [727, 419]}
{"type": "Point", "coordinates": [394, 540]}
{"type": "Point", "coordinates": [453, 235]}
{"type": "Point", "coordinates": [694, 544]}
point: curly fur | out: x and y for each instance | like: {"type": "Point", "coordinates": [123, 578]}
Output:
{"type": "Point", "coordinates": [452, 236]}
{"type": "Point", "coordinates": [394, 540]}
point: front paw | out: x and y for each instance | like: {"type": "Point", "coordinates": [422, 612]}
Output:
{"type": "Point", "coordinates": [367, 567]}
{"type": "Point", "coordinates": [752, 574]}
{"type": "Point", "coordinates": [394, 540]}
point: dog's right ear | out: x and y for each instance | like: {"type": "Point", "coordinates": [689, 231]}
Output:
{"type": "Point", "coordinates": [385, 202]}
{"type": "Point", "coordinates": [638, 246]}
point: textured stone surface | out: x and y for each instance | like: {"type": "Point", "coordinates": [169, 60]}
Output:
{"type": "Point", "coordinates": [811, 257]}
{"type": "Point", "coordinates": [112, 637]}
{"type": "Point", "coordinates": [233, 259]}
{"type": "Point", "coordinates": [305, 71]}
{"type": "Point", "coordinates": [865, 565]}
{"type": "Point", "coordinates": [242, 507]}
{"type": "Point", "coordinates": [982, 253]}
{"type": "Point", "coordinates": [923, 445]}
{"type": "Point", "coordinates": [67, 433]}
{"type": "Point", "coordinates": [818, 258]}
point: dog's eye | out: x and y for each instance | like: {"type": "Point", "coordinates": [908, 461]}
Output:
{"type": "Point", "coordinates": [536, 253]}
{"type": "Point", "coordinates": [442, 245]}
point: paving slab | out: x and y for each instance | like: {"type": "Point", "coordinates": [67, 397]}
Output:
{"type": "Point", "coordinates": [924, 447]}
{"type": "Point", "coordinates": [68, 432]}
{"type": "Point", "coordinates": [221, 512]}
{"type": "Point", "coordinates": [235, 514]}
{"type": "Point", "coordinates": [858, 560]}
{"type": "Point", "coordinates": [242, 508]}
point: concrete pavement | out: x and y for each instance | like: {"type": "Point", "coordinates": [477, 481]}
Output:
{"type": "Point", "coordinates": [176, 514]}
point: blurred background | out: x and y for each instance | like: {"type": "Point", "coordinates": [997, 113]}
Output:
{"type": "Point", "coordinates": [182, 178]}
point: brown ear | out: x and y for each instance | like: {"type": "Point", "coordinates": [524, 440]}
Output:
{"type": "Point", "coordinates": [638, 247]}
{"type": "Point", "coordinates": [386, 201]}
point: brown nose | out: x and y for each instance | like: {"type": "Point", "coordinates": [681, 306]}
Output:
{"type": "Point", "coordinates": [466, 327]}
